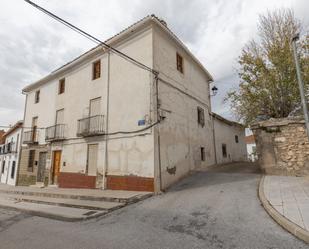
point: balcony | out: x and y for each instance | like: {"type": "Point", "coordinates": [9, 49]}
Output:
{"type": "Point", "coordinates": [91, 126]}
{"type": "Point", "coordinates": [31, 137]}
{"type": "Point", "coordinates": [55, 133]}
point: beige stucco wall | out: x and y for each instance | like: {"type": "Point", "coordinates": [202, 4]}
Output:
{"type": "Point", "coordinates": [225, 134]}
{"type": "Point", "coordinates": [179, 96]}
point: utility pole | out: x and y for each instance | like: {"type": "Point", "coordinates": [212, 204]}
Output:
{"type": "Point", "coordinates": [300, 83]}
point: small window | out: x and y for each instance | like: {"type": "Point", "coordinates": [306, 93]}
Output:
{"type": "Point", "coordinates": [61, 87]}
{"type": "Point", "coordinates": [96, 70]}
{"type": "Point", "coordinates": [3, 165]}
{"type": "Point", "coordinates": [37, 97]}
{"type": "Point", "coordinates": [224, 152]}
{"type": "Point", "coordinates": [31, 160]}
{"type": "Point", "coordinates": [200, 116]}
{"type": "Point", "coordinates": [202, 154]}
{"type": "Point", "coordinates": [13, 170]}
{"type": "Point", "coordinates": [179, 61]}
{"type": "Point", "coordinates": [236, 139]}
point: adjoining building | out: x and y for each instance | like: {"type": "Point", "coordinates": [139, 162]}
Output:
{"type": "Point", "coordinates": [251, 148]}
{"type": "Point", "coordinates": [229, 140]}
{"type": "Point", "coordinates": [106, 121]}
{"type": "Point", "coordinates": [9, 154]}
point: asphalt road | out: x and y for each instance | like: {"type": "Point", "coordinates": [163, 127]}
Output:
{"type": "Point", "coordinates": [217, 208]}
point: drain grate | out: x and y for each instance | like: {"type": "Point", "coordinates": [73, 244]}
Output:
{"type": "Point", "coordinates": [90, 213]}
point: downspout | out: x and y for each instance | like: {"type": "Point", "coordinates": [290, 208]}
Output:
{"type": "Point", "coordinates": [214, 138]}
{"type": "Point", "coordinates": [21, 141]}
{"type": "Point", "coordinates": [158, 131]}
{"type": "Point", "coordinates": [105, 167]}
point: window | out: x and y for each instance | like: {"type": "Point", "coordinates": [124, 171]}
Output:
{"type": "Point", "coordinates": [61, 87]}
{"type": "Point", "coordinates": [202, 154]}
{"type": "Point", "coordinates": [96, 70]}
{"type": "Point", "coordinates": [3, 165]}
{"type": "Point", "coordinates": [13, 170]}
{"type": "Point", "coordinates": [224, 153]}
{"type": "Point", "coordinates": [34, 129]}
{"type": "Point", "coordinates": [236, 139]}
{"type": "Point", "coordinates": [179, 62]}
{"type": "Point", "coordinates": [31, 160]}
{"type": "Point", "coordinates": [37, 97]}
{"type": "Point", "coordinates": [200, 116]}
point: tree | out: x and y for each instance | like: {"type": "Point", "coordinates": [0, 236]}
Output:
{"type": "Point", "coordinates": [268, 84]}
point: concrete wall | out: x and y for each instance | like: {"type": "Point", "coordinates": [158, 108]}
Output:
{"type": "Point", "coordinates": [181, 137]}
{"type": "Point", "coordinates": [225, 134]}
{"type": "Point", "coordinates": [282, 146]}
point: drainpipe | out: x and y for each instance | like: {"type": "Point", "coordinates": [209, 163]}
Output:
{"type": "Point", "coordinates": [158, 131]}
{"type": "Point", "coordinates": [214, 138]}
{"type": "Point", "coordinates": [105, 167]}
{"type": "Point", "coordinates": [21, 141]}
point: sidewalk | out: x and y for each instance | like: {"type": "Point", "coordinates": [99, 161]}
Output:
{"type": "Point", "coordinates": [66, 204]}
{"type": "Point", "coordinates": [286, 199]}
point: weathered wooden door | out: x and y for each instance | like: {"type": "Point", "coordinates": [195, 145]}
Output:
{"type": "Point", "coordinates": [56, 165]}
{"type": "Point", "coordinates": [92, 159]}
{"type": "Point", "coordinates": [41, 167]}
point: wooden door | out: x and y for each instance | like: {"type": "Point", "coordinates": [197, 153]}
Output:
{"type": "Point", "coordinates": [56, 165]}
{"type": "Point", "coordinates": [41, 167]}
{"type": "Point", "coordinates": [92, 159]}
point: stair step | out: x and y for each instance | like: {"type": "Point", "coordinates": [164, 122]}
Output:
{"type": "Point", "coordinates": [64, 202]}
{"type": "Point", "coordinates": [50, 211]}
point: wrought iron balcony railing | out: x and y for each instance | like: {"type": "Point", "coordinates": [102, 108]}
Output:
{"type": "Point", "coordinates": [31, 137]}
{"type": "Point", "coordinates": [91, 126]}
{"type": "Point", "coordinates": [55, 133]}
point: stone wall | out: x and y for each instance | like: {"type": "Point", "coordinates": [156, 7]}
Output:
{"type": "Point", "coordinates": [282, 146]}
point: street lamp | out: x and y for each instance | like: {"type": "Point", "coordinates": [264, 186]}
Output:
{"type": "Point", "coordinates": [300, 83]}
{"type": "Point", "coordinates": [214, 90]}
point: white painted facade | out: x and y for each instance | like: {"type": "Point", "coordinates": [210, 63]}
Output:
{"type": "Point", "coordinates": [230, 135]}
{"type": "Point", "coordinates": [9, 155]}
{"type": "Point", "coordinates": [132, 101]}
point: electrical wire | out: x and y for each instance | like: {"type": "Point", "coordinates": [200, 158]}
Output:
{"type": "Point", "coordinates": [90, 37]}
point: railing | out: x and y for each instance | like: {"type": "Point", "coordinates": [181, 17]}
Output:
{"type": "Point", "coordinates": [91, 126]}
{"type": "Point", "coordinates": [55, 133]}
{"type": "Point", "coordinates": [30, 137]}
{"type": "Point", "coordinates": [8, 148]}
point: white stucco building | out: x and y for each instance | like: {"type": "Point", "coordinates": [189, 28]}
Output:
{"type": "Point", "coordinates": [9, 154]}
{"type": "Point", "coordinates": [108, 121]}
{"type": "Point", "coordinates": [230, 141]}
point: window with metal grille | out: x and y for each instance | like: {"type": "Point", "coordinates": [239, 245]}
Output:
{"type": "Point", "coordinates": [179, 62]}
{"type": "Point", "coordinates": [61, 87]}
{"type": "Point", "coordinates": [96, 70]}
{"type": "Point", "coordinates": [3, 165]}
{"type": "Point", "coordinates": [200, 116]}
{"type": "Point", "coordinates": [31, 160]}
{"type": "Point", "coordinates": [236, 139]}
{"type": "Point", "coordinates": [13, 170]}
{"type": "Point", "coordinates": [202, 154]}
{"type": "Point", "coordinates": [224, 151]}
{"type": "Point", "coordinates": [37, 97]}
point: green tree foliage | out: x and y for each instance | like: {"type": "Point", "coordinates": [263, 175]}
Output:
{"type": "Point", "coordinates": [268, 84]}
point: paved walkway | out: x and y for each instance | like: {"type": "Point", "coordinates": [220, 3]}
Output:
{"type": "Point", "coordinates": [290, 197]}
{"type": "Point", "coordinates": [74, 193]}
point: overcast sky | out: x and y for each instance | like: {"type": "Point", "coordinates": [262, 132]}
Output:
{"type": "Point", "coordinates": [32, 45]}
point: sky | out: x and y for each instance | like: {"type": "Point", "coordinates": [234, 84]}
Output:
{"type": "Point", "coordinates": [32, 45]}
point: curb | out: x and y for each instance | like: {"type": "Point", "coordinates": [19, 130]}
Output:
{"type": "Point", "coordinates": [280, 219]}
